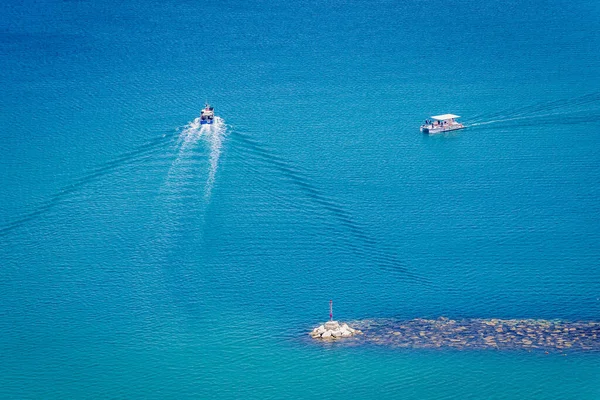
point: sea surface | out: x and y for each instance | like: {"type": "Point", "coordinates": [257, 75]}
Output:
{"type": "Point", "coordinates": [142, 256]}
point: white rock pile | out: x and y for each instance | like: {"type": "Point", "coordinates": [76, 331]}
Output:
{"type": "Point", "coordinates": [332, 330]}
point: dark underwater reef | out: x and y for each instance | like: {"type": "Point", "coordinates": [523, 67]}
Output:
{"type": "Point", "coordinates": [462, 334]}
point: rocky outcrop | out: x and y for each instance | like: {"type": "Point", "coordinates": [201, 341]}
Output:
{"type": "Point", "coordinates": [498, 334]}
{"type": "Point", "coordinates": [333, 330]}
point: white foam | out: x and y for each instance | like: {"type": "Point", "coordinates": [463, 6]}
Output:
{"type": "Point", "coordinates": [214, 137]}
{"type": "Point", "coordinates": [181, 170]}
{"type": "Point", "coordinates": [530, 117]}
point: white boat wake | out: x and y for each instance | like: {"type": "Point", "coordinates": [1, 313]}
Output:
{"type": "Point", "coordinates": [182, 168]}
{"type": "Point", "coordinates": [501, 120]}
{"type": "Point", "coordinates": [508, 119]}
{"type": "Point", "coordinates": [557, 108]}
{"type": "Point", "coordinates": [531, 118]}
{"type": "Point", "coordinates": [214, 137]}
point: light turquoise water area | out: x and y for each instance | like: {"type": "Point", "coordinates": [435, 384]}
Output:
{"type": "Point", "coordinates": [144, 257]}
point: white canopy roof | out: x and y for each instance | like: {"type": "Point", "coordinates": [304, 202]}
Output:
{"type": "Point", "coordinates": [445, 116]}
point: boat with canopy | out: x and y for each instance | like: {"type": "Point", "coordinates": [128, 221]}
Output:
{"type": "Point", "coordinates": [441, 123]}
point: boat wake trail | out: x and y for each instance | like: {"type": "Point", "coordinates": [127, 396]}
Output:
{"type": "Point", "coordinates": [138, 154]}
{"type": "Point", "coordinates": [362, 244]}
{"type": "Point", "coordinates": [546, 110]}
{"type": "Point", "coordinates": [182, 170]}
{"type": "Point", "coordinates": [214, 138]}
{"type": "Point", "coordinates": [516, 119]}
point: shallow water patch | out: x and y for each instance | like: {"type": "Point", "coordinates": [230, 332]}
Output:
{"type": "Point", "coordinates": [474, 333]}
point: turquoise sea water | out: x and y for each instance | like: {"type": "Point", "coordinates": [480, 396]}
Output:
{"type": "Point", "coordinates": [143, 257]}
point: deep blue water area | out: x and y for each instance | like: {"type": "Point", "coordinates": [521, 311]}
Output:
{"type": "Point", "coordinates": [145, 256]}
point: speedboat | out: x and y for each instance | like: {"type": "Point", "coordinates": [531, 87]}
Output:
{"type": "Point", "coordinates": [207, 116]}
{"type": "Point", "coordinates": [441, 123]}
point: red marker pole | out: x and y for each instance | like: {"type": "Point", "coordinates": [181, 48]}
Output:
{"type": "Point", "coordinates": [331, 310]}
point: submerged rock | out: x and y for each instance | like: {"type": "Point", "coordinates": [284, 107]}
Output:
{"type": "Point", "coordinates": [462, 334]}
